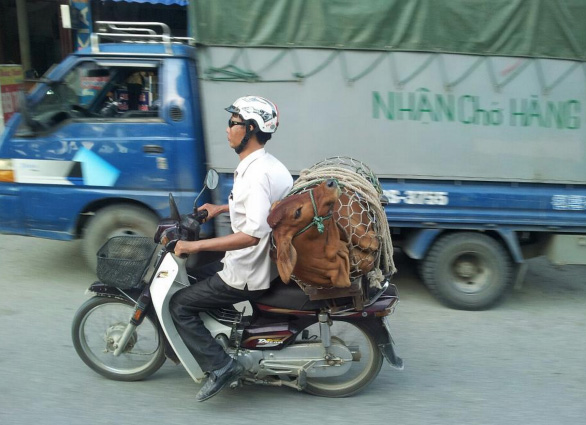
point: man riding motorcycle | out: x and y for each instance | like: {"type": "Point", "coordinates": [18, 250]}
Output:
{"type": "Point", "coordinates": [246, 270]}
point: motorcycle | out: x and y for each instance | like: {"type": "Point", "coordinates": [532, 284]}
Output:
{"type": "Point", "coordinates": [327, 347]}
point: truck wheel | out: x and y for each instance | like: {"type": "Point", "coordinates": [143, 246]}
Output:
{"type": "Point", "coordinates": [116, 220]}
{"type": "Point", "coordinates": [467, 271]}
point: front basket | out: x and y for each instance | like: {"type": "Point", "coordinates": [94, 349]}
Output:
{"type": "Point", "coordinates": [123, 260]}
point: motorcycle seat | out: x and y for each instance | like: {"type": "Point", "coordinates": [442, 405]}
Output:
{"type": "Point", "coordinates": [290, 296]}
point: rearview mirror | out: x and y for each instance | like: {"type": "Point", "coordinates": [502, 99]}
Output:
{"type": "Point", "coordinates": [211, 182]}
{"type": "Point", "coordinates": [212, 179]}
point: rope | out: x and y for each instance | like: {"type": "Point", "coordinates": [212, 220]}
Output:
{"type": "Point", "coordinates": [230, 72]}
{"type": "Point", "coordinates": [357, 178]}
{"type": "Point", "coordinates": [317, 220]}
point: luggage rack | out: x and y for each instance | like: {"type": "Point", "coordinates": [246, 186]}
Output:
{"type": "Point", "coordinates": [136, 32]}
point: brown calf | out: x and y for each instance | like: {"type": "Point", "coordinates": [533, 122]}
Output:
{"type": "Point", "coordinates": [309, 245]}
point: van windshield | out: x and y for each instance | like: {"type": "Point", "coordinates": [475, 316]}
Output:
{"type": "Point", "coordinates": [76, 91]}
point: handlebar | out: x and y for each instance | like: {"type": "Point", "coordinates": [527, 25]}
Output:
{"type": "Point", "coordinates": [170, 247]}
{"type": "Point", "coordinates": [179, 227]}
{"type": "Point", "coordinates": [200, 216]}
{"type": "Point", "coordinates": [185, 228]}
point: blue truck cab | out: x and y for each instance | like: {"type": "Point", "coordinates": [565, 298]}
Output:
{"type": "Point", "coordinates": [100, 143]}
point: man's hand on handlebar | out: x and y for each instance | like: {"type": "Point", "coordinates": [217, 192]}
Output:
{"type": "Point", "coordinates": [186, 248]}
{"type": "Point", "coordinates": [213, 210]}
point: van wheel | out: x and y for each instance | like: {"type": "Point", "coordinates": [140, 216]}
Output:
{"type": "Point", "coordinates": [467, 271]}
{"type": "Point", "coordinates": [116, 220]}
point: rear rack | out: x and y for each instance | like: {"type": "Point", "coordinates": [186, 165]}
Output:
{"type": "Point", "coordinates": [136, 32]}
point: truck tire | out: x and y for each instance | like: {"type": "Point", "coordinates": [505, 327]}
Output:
{"type": "Point", "coordinates": [467, 271]}
{"type": "Point", "coordinates": [115, 220]}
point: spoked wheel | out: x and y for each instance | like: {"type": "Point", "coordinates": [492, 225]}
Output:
{"type": "Point", "coordinates": [366, 361]}
{"type": "Point", "coordinates": [97, 327]}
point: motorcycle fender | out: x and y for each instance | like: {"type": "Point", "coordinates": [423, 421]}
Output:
{"type": "Point", "coordinates": [388, 349]}
{"type": "Point", "coordinates": [163, 287]}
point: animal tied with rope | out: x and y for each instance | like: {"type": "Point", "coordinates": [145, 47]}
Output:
{"type": "Point", "coordinates": [331, 228]}
{"type": "Point", "coordinates": [308, 241]}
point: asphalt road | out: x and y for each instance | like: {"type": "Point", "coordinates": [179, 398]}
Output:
{"type": "Point", "coordinates": [523, 362]}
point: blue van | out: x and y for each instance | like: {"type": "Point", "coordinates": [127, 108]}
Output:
{"type": "Point", "coordinates": [99, 144]}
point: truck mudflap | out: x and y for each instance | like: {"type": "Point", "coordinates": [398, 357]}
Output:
{"type": "Point", "coordinates": [388, 349]}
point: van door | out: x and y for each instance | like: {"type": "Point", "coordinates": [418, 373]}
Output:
{"type": "Point", "coordinates": [100, 128]}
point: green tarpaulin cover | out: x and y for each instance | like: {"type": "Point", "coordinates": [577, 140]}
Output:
{"type": "Point", "coordinates": [533, 28]}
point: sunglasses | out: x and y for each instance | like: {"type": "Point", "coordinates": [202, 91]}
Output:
{"type": "Point", "coordinates": [233, 123]}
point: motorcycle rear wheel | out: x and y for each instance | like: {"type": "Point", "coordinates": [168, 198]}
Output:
{"type": "Point", "coordinates": [97, 326]}
{"type": "Point", "coordinates": [363, 370]}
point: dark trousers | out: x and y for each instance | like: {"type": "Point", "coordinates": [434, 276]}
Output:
{"type": "Point", "coordinates": [206, 294]}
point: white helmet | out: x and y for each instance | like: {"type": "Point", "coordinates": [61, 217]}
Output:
{"type": "Point", "coordinates": [260, 110]}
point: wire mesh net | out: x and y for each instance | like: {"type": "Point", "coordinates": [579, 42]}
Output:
{"type": "Point", "coordinates": [359, 212]}
{"type": "Point", "coordinates": [123, 260]}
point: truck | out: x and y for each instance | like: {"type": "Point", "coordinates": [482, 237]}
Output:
{"type": "Point", "coordinates": [469, 112]}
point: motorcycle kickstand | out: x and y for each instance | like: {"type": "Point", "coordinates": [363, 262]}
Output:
{"type": "Point", "coordinates": [298, 384]}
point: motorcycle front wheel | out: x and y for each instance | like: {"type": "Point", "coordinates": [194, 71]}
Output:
{"type": "Point", "coordinates": [97, 327]}
{"type": "Point", "coordinates": [366, 364]}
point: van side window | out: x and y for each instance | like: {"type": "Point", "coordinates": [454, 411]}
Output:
{"type": "Point", "coordinates": [132, 93]}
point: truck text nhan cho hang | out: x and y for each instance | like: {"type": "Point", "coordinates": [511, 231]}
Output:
{"type": "Point", "coordinates": [473, 121]}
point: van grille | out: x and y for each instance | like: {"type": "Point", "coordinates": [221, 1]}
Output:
{"type": "Point", "coordinates": [176, 113]}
